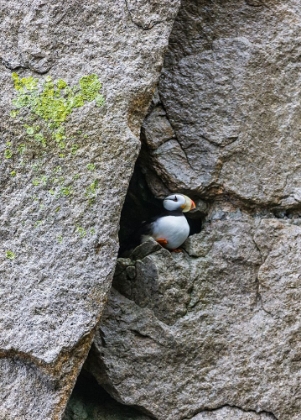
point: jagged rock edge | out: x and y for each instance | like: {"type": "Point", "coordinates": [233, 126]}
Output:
{"type": "Point", "coordinates": [210, 410]}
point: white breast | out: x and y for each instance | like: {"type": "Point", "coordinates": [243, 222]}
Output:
{"type": "Point", "coordinates": [175, 229]}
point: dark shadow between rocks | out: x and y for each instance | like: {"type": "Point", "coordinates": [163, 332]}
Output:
{"type": "Point", "coordinates": [89, 401]}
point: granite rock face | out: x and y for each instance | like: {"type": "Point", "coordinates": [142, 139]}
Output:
{"type": "Point", "coordinates": [214, 332]}
{"type": "Point", "coordinates": [216, 325]}
{"type": "Point", "coordinates": [230, 91]}
{"type": "Point", "coordinates": [76, 79]}
{"type": "Point", "coordinates": [230, 413]}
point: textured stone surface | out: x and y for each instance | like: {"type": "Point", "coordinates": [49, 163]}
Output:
{"type": "Point", "coordinates": [230, 413]}
{"type": "Point", "coordinates": [212, 327]}
{"type": "Point", "coordinates": [230, 91]}
{"type": "Point", "coordinates": [214, 332]}
{"type": "Point", "coordinates": [63, 178]}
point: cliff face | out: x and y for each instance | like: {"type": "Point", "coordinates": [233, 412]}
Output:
{"type": "Point", "coordinates": [214, 332]}
{"type": "Point", "coordinates": [77, 79]}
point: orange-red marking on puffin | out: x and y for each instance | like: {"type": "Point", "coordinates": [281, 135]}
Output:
{"type": "Point", "coordinates": [162, 241]}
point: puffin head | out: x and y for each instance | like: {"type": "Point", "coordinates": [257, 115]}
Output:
{"type": "Point", "coordinates": [178, 202]}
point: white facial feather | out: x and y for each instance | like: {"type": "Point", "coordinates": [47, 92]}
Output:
{"type": "Point", "coordinates": [174, 202]}
{"type": "Point", "coordinates": [178, 201]}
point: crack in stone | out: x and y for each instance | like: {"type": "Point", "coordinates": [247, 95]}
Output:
{"type": "Point", "coordinates": [185, 153]}
{"type": "Point", "coordinates": [10, 66]}
{"type": "Point", "coordinates": [210, 410]}
{"type": "Point", "coordinates": [175, 137]}
{"type": "Point", "coordinates": [144, 27]}
{"type": "Point", "coordinates": [257, 3]}
{"type": "Point", "coordinates": [254, 3]}
{"type": "Point", "coordinates": [54, 367]}
{"type": "Point", "coordinates": [17, 66]}
{"type": "Point", "coordinates": [258, 298]}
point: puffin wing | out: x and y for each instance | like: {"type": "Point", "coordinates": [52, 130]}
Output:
{"type": "Point", "coordinates": [146, 229]}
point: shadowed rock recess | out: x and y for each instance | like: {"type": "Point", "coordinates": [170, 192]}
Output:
{"type": "Point", "coordinates": [213, 333]}
{"type": "Point", "coordinates": [77, 79]}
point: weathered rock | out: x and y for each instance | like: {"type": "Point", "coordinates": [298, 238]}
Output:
{"type": "Point", "coordinates": [230, 413]}
{"type": "Point", "coordinates": [68, 147]}
{"type": "Point", "coordinates": [217, 326]}
{"type": "Point", "coordinates": [216, 330]}
{"type": "Point", "coordinates": [230, 93]}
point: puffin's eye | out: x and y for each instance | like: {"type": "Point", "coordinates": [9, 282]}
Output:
{"type": "Point", "coordinates": [176, 198]}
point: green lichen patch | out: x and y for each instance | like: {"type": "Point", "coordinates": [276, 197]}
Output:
{"type": "Point", "coordinates": [92, 188]}
{"type": "Point", "coordinates": [74, 149]}
{"type": "Point", "coordinates": [90, 87]}
{"type": "Point", "coordinates": [40, 181]}
{"type": "Point", "coordinates": [81, 231]}
{"type": "Point", "coordinates": [21, 148]}
{"type": "Point", "coordinates": [53, 101]}
{"type": "Point", "coordinates": [13, 113]}
{"type": "Point", "coordinates": [10, 255]}
{"type": "Point", "coordinates": [91, 166]}
{"type": "Point", "coordinates": [66, 191]}
{"type": "Point", "coordinates": [45, 105]}
{"type": "Point", "coordinates": [25, 83]}
{"type": "Point", "coordinates": [8, 154]}
{"type": "Point", "coordinates": [40, 111]}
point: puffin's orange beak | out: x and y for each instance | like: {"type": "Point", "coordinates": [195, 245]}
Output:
{"type": "Point", "coordinates": [193, 206]}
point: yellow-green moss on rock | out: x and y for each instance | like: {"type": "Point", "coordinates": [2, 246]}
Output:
{"type": "Point", "coordinates": [50, 102]}
{"type": "Point", "coordinates": [54, 101]}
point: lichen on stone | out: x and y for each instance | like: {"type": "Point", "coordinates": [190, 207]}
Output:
{"type": "Point", "coordinates": [52, 102]}
{"type": "Point", "coordinates": [10, 255]}
{"type": "Point", "coordinates": [81, 231]}
{"type": "Point", "coordinates": [91, 166]}
{"type": "Point", "coordinates": [55, 100]}
{"type": "Point", "coordinates": [41, 107]}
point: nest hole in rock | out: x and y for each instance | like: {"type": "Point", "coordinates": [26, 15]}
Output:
{"type": "Point", "coordinates": [140, 205]}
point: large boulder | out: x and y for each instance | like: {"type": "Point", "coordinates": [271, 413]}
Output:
{"type": "Point", "coordinates": [229, 117]}
{"type": "Point", "coordinates": [77, 79]}
{"type": "Point", "coordinates": [214, 332]}
{"type": "Point", "coordinates": [213, 326]}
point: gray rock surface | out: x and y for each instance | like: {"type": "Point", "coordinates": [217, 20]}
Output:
{"type": "Point", "coordinates": [213, 326]}
{"type": "Point", "coordinates": [230, 91]}
{"type": "Point", "coordinates": [68, 146]}
{"type": "Point", "coordinates": [230, 413]}
{"type": "Point", "coordinates": [214, 332]}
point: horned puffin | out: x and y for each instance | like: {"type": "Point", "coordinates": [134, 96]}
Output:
{"type": "Point", "coordinates": [171, 228]}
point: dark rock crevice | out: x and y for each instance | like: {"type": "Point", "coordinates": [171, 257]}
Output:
{"type": "Point", "coordinates": [90, 401]}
